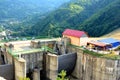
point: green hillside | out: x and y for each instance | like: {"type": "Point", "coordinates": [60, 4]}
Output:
{"type": "Point", "coordinates": [88, 15]}
{"type": "Point", "coordinates": [104, 21]}
{"type": "Point", "coordinates": [96, 17]}
{"type": "Point", "coordinates": [19, 15]}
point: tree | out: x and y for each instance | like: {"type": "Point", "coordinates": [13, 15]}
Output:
{"type": "Point", "coordinates": [62, 75]}
{"type": "Point", "coordinates": [51, 29]}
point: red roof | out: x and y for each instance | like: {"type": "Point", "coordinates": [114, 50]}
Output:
{"type": "Point", "coordinates": [75, 33]}
{"type": "Point", "coordinates": [98, 44]}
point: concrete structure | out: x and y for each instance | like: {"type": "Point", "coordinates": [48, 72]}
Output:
{"type": "Point", "coordinates": [56, 63]}
{"type": "Point", "coordinates": [36, 74]}
{"type": "Point", "coordinates": [40, 43]}
{"type": "Point", "coordinates": [39, 64]}
{"type": "Point", "coordinates": [20, 68]}
{"type": "Point", "coordinates": [75, 36]}
{"type": "Point", "coordinates": [51, 66]}
{"type": "Point", "coordinates": [7, 72]}
{"type": "Point", "coordinates": [89, 67]}
{"type": "Point", "coordinates": [23, 57]}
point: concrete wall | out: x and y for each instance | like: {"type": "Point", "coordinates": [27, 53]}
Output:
{"type": "Point", "coordinates": [38, 44]}
{"type": "Point", "coordinates": [36, 74]}
{"type": "Point", "coordinates": [20, 68]}
{"type": "Point", "coordinates": [7, 71]}
{"type": "Point", "coordinates": [55, 64]}
{"type": "Point", "coordinates": [89, 67]}
{"type": "Point", "coordinates": [51, 66]}
{"type": "Point", "coordinates": [33, 60]}
{"type": "Point", "coordinates": [9, 58]}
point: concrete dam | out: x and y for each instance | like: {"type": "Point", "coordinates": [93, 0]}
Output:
{"type": "Point", "coordinates": [89, 67]}
{"type": "Point", "coordinates": [83, 66]}
{"type": "Point", "coordinates": [78, 64]}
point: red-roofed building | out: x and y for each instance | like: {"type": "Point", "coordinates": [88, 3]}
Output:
{"type": "Point", "coordinates": [75, 36]}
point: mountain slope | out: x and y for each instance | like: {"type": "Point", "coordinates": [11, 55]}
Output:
{"type": "Point", "coordinates": [104, 21]}
{"type": "Point", "coordinates": [71, 15]}
{"type": "Point", "coordinates": [23, 8]}
{"type": "Point", "coordinates": [20, 15]}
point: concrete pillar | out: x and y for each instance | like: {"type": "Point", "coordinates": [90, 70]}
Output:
{"type": "Point", "coordinates": [51, 66]}
{"type": "Point", "coordinates": [20, 68]}
{"type": "Point", "coordinates": [0, 58]}
{"type": "Point", "coordinates": [36, 74]}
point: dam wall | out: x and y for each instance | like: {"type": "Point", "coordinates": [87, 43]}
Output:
{"type": "Point", "coordinates": [89, 67]}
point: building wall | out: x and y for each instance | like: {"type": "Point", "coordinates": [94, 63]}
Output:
{"type": "Point", "coordinates": [74, 40]}
{"type": "Point", "coordinates": [83, 40]}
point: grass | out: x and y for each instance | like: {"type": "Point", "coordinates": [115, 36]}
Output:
{"type": "Point", "coordinates": [111, 56]}
{"type": "Point", "coordinates": [107, 56]}
{"type": "Point", "coordinates": [93, 53]}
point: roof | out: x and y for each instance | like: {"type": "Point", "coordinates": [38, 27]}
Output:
{"type": "Point", "coordinates": [109, 40]}
{"type": "Point", "coordinates": [75, 33]}
{"type": "Point", "coordinates": [97, 43]}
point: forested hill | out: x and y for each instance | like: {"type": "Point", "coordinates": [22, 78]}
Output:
{"type": "Point", "coordinates": [104, 21]}
{"type": "Point", "coordinates": [97, 17]}
{"type": "Point", "coordinates": [20, 9]}
{"type": "Point", "coordinates": [19, 15]}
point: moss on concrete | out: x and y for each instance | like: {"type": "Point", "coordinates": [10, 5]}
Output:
{"type": "Point", "coordinates": [108, 56]}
